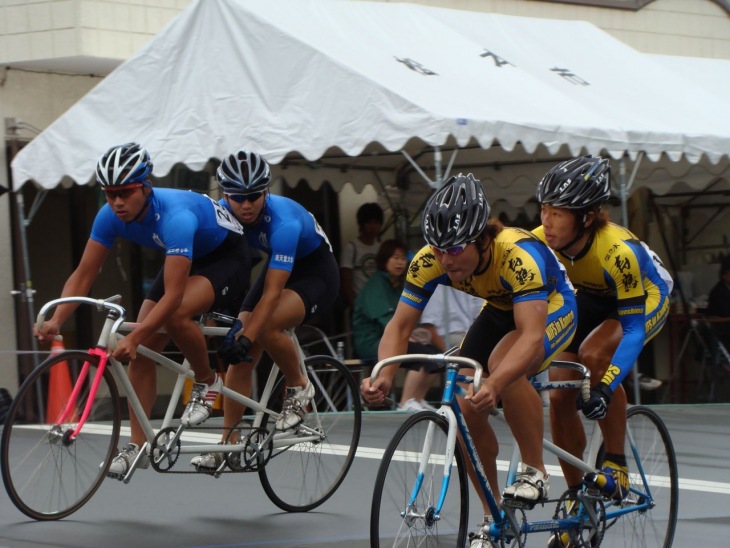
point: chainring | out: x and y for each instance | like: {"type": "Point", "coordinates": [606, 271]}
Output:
{"type": "Point", "coordinates": [163, 455]}
{"type": "Point", "coordinates": [507, 535]}
{"type": "Point", "coordinates": [256, 456]}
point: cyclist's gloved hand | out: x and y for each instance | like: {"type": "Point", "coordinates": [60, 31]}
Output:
{"type": "Point", "coordinates": [235, 350]}
{"type": "Point", "coordinates": [596, 406]}
{"type": "Point", "coordinates": [230, 337]}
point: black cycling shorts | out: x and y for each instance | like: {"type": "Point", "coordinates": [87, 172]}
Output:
{"type": "Point", "coordinates": [227, 267]}
{"type": "Point", "coordinates": [592, 312]}
{"type": "Point", "coordinates": [488, 328]}
{"type": "Point", "coordinates": [315, 278]}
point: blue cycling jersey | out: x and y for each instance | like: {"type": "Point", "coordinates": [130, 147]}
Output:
{"type": "Point", "coordinates": [178, 221]}
{"type": "Point", "coordinates": [286, 231]}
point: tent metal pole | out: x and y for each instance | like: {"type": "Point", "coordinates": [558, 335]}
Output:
{"type": "Point", "coordinates": [27, 292]}
{"type": "Point", "coordinates": [438, 174]}
{"type": "Point", "coordinates": [436, 183]}
{"type": "Point", "coordinates": [415, 165]}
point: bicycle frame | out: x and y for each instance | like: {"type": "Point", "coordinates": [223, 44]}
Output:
{"type": "Point", "coordinates": [112, 330]}
{"type": "Point", "coordinates": [451, 411]}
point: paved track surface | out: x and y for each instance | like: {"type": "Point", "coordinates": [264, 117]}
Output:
{"type": "Point", "coordinates": [157, 510]}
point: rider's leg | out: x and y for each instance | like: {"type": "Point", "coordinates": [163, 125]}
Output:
{"type": "Point", "coordinates": [239, 379]}
{"type": "Point", "coordinates": [523, 411]}
{"type": "Point", "coordinates": [565, 424]}
{"type": "Point", "coordinates": [487, 447]}
{"type": "Point", "coordinates": [522, 406]}
{"type": "Point", "coordinates": [185, 331]}
{"type": "Point", "coordinates": [596, 353]}
{"type": "Point", "coordinates": [567, 429]}
{"type": "Point", "coordinates": [278, 344]}
{"type": "Point", "coordinates": [143, 376]}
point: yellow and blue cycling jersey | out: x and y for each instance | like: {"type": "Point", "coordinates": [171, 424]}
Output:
{"type": "Point", "coordinates": [521, 268]}
{"type": "Point", "coordinates": [617, 268]}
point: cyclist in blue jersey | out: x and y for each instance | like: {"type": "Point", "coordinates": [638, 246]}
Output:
{"type": "Point", "coordinates": [300, 278]}
{"type": "Point", "coordinates": [207, 265]}
{"type": "Point", "coordinates": [528, 318]}
{"type": "Point", "coordinates": [622, 291]}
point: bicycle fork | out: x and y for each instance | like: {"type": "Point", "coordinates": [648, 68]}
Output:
{"type": "Point", "coordinates": [69, 436]}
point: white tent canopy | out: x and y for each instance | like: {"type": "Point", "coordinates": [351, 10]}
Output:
{"type": "Point", "coordinates": [329, 80]}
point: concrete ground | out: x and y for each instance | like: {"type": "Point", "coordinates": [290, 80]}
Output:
{"type": "Point", "coordinates": [233, 511]}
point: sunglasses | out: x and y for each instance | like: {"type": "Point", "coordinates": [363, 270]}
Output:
{"type": "Point", "coordinates": [240, 198]}
{"type": "Point", "coordinates": [124, 192]}
{"type": "Point", "coordinates": [454, 251]}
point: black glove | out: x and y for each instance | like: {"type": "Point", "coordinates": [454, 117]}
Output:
{"type": "Point", "coordinates": [235, 350]}
{"type": "Point", "coordinates": [597, 405]}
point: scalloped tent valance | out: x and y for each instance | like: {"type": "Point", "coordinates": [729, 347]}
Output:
{"type": "Point", "coordinates": [321, 80]}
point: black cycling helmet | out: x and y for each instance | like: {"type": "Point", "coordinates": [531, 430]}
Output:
{"type": "Point", "coordinates": [243, 173]}
{"type": "Point", "coordinates": [457, 212]}
{"type": "Point", "coordinates": [581, 184]}
{"type": "Point", "coordinates": [123, 165]}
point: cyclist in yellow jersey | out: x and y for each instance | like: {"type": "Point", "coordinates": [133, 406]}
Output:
{"type": "Point", "coordinates": [622, 290]}
{"type": "Point", "coordinates": [527, 319]}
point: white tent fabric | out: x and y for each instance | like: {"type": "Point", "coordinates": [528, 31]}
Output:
{"type": "Point", "coordinates": [713, 75]}
{"type": "Point", "coordinates": [318, 78]}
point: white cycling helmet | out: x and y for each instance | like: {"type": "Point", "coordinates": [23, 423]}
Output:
{"type": "Point", "coordinates": [123, 165]}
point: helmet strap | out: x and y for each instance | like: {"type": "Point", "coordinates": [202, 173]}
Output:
{"type": "Point", "coordinates": [146, 206]}
{"type": "Point", "coordinates": [480, 249]}
{"type": "Point", "coordinates": [581, 217]}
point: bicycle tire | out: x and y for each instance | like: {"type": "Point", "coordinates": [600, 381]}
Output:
{"type": "Point", "coordinates": [394, 485]}
{"type": "Point", "coordinates": [656, 457]}
{"type": "Point", "coordinates": [303, 476]}
{"type": "Point", "coordinates": [47, 477]}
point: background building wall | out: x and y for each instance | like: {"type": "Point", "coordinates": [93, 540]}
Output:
{"type": "Point", "coordinates": [95, 35]}
{"type": "Point", "coordinates": [36, 99]}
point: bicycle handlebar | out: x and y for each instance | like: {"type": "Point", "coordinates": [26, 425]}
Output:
{"type": "Point", "coordinates": [438, 358]}
{"type": "Point", "coordinates": [585, 381]}
{"type": "Point", "coordinates": [109, 304]}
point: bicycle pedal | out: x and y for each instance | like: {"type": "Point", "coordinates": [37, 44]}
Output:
{"type": "Point", "coordinates": [518, 504]}
{"type": "Point", "coordinates": [208, 471]}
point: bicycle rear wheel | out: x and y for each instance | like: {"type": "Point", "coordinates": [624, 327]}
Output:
{"type": "Point", "coordinates": [393, 522]}
{"type": "Point", "coordinates": [301, 476]}
{"type": "Point", "coordinates": [652, 475]}
{"type": "Point", "coordinates": [47, 475]}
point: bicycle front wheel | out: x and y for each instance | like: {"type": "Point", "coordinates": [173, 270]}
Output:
{"type": "Point", "coordinates": [652, 476]}
{"type": "Point", "coordinates": [47, 474]}
{"type": "Point", "coordinates": [404, 499]}
{"type": "Point", "coordinates": [302, 475]}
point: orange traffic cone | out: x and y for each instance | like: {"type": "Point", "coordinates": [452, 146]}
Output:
{"type": "Point", "coordinates": [59, 387]}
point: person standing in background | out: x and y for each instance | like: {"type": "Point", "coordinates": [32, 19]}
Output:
{"type": "Point", "coordinates": [445, 321]}
{"type": "Point", "coordinates": [374, 307]}
{"type": "Point", "coordinates": [452, 310]}
{"type": "Point", "coordinates": [718, 304]}
{"type": "Point", "coordinates": [357, 260]}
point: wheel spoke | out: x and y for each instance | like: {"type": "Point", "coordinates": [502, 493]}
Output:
{"type": "Point", "coordinates": [301, 476]}
{"type": "Point", "coordinates": [47, 473]}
